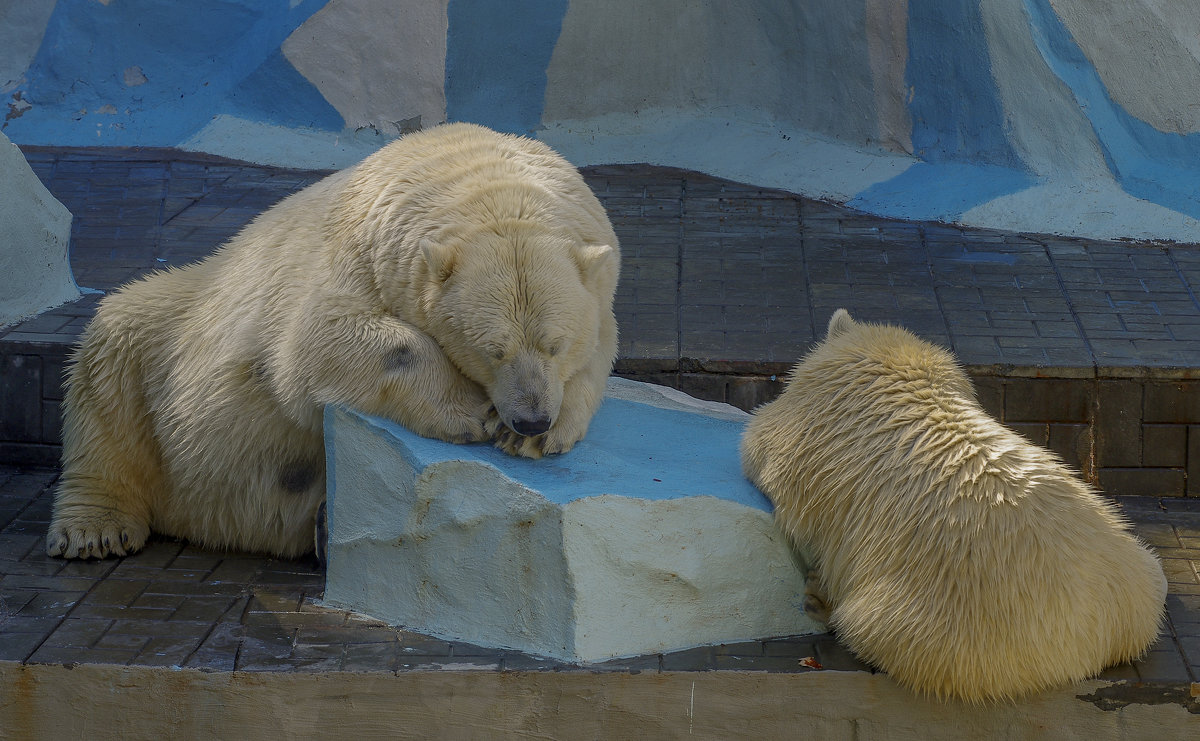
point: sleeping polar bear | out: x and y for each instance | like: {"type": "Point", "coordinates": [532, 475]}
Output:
{"type": "Point", "coordinates": [458, 281]}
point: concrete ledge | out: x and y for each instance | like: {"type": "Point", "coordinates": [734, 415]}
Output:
{"type": "Point", "coordinates": [91, 700]}
{"type": "Point", "coordinates": [644, 538]}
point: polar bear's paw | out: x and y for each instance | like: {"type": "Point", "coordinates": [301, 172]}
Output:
{"type": "Point", "coordinates": [558, 439]}
{"type": "Point", "coordinates": [551, 442]}
{"type": "Point", "coordinates": [467, 428]}
{"type": "Point", "coordinates": [519, 445]}
{"type": "Point", "coordinates": [461, 417]}
{"type": "Point", "coordinates": [95, 532]}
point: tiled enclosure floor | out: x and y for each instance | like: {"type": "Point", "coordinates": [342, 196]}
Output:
{"type": "Point", "coordinates": [178, 605]}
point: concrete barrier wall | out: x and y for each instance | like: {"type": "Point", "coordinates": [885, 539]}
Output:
{"type": "Point", "coordinates": [1064, 116]}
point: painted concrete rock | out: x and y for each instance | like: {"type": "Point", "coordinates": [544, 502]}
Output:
{"type": "Point", "coordinates": [35, 273]}
{"type": "Point", "coordinates": [644, 538]}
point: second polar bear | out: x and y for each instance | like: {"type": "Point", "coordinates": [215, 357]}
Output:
{"type": "Point", "coordinates": [954, 554]}
{"type": "Point", "coordinates": [458, 281]}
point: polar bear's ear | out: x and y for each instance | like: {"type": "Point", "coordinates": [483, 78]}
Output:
{"type": "Point", "coordinates": [839, 323]}
{"type": "Point", "coordinates": [439, 257]}
{"type": "Point", "coordinates": [595, 261]}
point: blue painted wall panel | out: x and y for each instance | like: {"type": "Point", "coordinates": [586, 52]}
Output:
{"type": "Point", "coordinates": [940, 191]}
{"type": "Point", "coordinates": [276, 93]}
{"type": "Point", "coordinates": [1157, 166]}
{"type": "Point", "coordinates": [957, 118]}
{"type": "Point", "coordinates": [956, 110]}
{"type": "Point", "coordinates": [497, 53]}
{"type": "Point", "coordinates": [204, 59]}
{"type": "Point", "coordinates": [193, 55]}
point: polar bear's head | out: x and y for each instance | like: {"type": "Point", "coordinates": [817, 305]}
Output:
{"type": "Point", "coordinates": [888, 350]}
{"type": "Point", "coordinates": [518, 308]}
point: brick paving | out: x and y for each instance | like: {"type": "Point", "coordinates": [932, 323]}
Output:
{"type": "Point", "coordinates": [1077, 343]}
{"type": "Point", "coordinates": [719, 271]}
{"type": "Point", "coordinates": [1092, 348]}
{"type": "Point", "coordinates": [714, 273]}
{"type": "Point", "coordinates": [174, 604]}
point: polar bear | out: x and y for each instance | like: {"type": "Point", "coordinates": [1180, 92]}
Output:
{"type": "Point", "coordinates": [956, 555]}
{"type": "Point", "coordinates": [458, 281]}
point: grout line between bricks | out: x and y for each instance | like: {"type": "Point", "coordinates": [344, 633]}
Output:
{"type": "Point", "coordinates": [808, 289]}
{"type": "Point", "coordinates": [937, 295]}
{"type": "Point", "coordinates": [1062, 286]}
{"type": "Point", "coordinates": [1170, 626]}
{"type": "Point", "coordinates": [1182, 280]}
{"type": "Point", "coordinates": [208, 190]}
{"type": "Point", "coordinates": [165, 194]}
{"type": "Point", "coordinates": [212, 626]}
{"type": "Point", "coordinates": [241, 642]}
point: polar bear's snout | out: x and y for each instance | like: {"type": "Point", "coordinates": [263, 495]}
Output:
{"type": "Point", "coordinates": [530, 427]}
{"type": "Point", "coordinates": [527, 395]}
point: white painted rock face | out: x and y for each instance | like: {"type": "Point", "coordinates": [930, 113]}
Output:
{"type": "Point", "coordinates": [35, 229]}
{"type": "Point", "coordinates": [644, 538]}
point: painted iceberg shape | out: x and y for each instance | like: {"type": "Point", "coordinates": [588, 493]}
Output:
{"type": "Point", "coordinates": [645, 538]}
{"type": "Point", "coordinates": [35, 229]}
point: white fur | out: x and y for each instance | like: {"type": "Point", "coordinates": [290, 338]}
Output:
{"type": "Point", "coordinates": [458, 281]}
{"type": "Point", "coordinates": [956, 555]}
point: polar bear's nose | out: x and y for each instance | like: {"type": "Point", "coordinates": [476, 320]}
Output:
{"type": "Point", "coordinates": [530, 427]}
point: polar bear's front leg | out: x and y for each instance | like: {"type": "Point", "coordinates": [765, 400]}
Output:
{"type": "Point", "coordinates": [421, 389]}
{"type": "Point", "coordinates": [112, 475]}
{"type": "Point", "coordinates": [581, 398]}
{"type": "Point", "coordinates": [384, 366]}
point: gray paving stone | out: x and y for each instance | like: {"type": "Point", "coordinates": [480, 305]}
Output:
{"type": "Point", "coordinates": [832, 655]}
{"type": "Point", "coordinates": [370, 657]}
{"type": "Point", "coordinates": [703, 658]}
{"type": "Point", "coordinates": [16, 646]}
{"type": "Point", "coordinates": [1167, 665]}
{"type": "Point", "coordinates": [70, 655]}
{"type": "Point", "coordinates": [218, 650]}
{"type": "Point", "coordinates": [78, 632]}
{"type": "Point", "coordinates": [197, 608]}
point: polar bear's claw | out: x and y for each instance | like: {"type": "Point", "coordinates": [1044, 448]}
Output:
{"type": "Point", "coordinates": [111, 534]}
{"type": "Point", "coordinates": [547, 443]}
{"type": "Point", "coordinates": [518, 445]}
{"type": "Point", "coordinates": [56, 544]}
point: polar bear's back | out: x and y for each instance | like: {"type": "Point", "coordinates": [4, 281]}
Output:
{"type": "Point", "coordinates": [958, 556]}
{"type": "Point", "coordinates": [1006, 578]}
{"type": "Point", "coordinates": [457, 173]}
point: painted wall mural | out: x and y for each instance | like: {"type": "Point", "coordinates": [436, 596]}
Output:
{"type": "Point", "coordinates": [1062, 116]}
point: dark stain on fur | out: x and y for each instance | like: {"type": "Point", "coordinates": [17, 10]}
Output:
{"type": "Point", "coordinates": [298, 476]}
{"type": "Point", "coordinates": [399, 358]}
{"type": "Point", "coordinates": [258, 371]}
